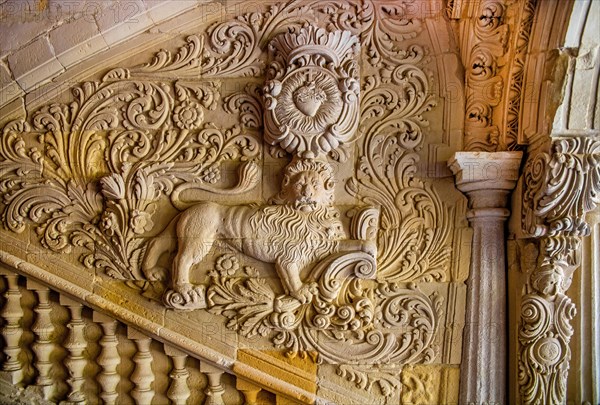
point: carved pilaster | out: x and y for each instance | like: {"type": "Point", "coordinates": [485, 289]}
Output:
{"type": "Point", "coordinates": [109, 358]}
{"type": "Point", "coordinates": [559, 188]}
{"type": "Point", "coordinates": [142, 376]}
{"type": "Point", "coordinates": [12, 313]}
{"type": "Point", "coordinates": [43, 328]}
{"type": "Point", "coordinates": [487, 179]}
{"type": "Point", "coordinates": [75, 345]}
{"type": "Point", "coordinates": [179, 391]}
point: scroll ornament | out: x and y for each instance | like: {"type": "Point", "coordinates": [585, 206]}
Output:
{"type": "Point", "coordinates": [92, 173]}
{"type": "Point", "coordinates": [560, 187]}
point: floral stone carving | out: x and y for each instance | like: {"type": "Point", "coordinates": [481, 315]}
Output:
{"type": "Point", "coordinates": [349, 320]}
{"type": "Point", "coordinates": [312, 91]}
{"type": "Point", "coordinates": [141, 139]}
{"type": "Point", "coordinates": [560, 187]}
{"type": "Point", "coordinates": [102, 173]}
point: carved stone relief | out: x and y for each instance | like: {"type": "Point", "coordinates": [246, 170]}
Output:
{"type": "Point", "coordinates": [494, 36]}
{"type": "Point", "coordinates": [312, 91]}
{"type": "Point", "coordinates": [559, 188]}
{"type": "Point", "coordinates": [136, 173]}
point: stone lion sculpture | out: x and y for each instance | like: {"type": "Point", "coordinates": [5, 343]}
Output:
{"type": "Point", "coordinates": [299, 227]}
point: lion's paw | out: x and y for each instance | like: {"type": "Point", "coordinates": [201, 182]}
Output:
{"type": "Point", "coordinates": [306, 293]}
{"type": "Point", "coordinates": [187, 297]}
{"type": "Point", "coordinates": [156, 274]}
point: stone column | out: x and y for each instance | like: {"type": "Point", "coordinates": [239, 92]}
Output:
{"type": "Point", "coordinates": [487, 179]}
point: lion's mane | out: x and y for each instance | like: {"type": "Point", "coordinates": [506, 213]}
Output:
{"type": "Point", "coordinates": [298, 236]}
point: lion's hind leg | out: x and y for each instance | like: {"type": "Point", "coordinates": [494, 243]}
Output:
{"type": "Point", "coordinates": [191, 251]}
{"type": "Point", "coordinates": [185, 295]}
{"type": "Point", "coordinates": [196, 233]}
{"type": "Point", "coordinates": [165, 242]}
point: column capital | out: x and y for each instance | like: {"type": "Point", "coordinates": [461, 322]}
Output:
{"type": "Point", "coordinates": [487, 178]}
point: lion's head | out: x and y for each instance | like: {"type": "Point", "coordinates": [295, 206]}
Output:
{"type": "Point", "coordinates": [307, 185]}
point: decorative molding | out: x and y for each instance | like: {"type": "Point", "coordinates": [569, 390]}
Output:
{"type": "Point", "coordinates": [560, 187]}
{"type": "Point", "coordinates": [489, 34]}
{"type": "Point", "coordinates": [515, 94]}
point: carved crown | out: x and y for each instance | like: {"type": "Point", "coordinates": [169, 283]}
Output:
{"type": "Point", "coordinates": [336, 46]}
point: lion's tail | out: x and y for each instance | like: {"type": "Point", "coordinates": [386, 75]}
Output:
{"type": "Point", "coordinates": [187, 194]}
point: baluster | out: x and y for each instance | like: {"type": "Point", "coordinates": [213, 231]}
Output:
{"type": "Point", "coordinates": [43, 329]}
{"type": "Point", "coordinates": [142, 376]}
{"type": "Point", "coordinates": [12, 313]}
{"type": "Point", "coordinates": [178, 391]}
{"type": "Point", "coordinates": [109, 359]}
{"type": "Point", "coordinates": [75, 345]}
{"type": "Point", "coordinates": [214, 392]}
{"type": "Point", "coordinates": [249, 390]}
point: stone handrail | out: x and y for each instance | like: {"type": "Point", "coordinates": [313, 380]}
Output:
{"type": "Point", "coordinates": [108, 311]}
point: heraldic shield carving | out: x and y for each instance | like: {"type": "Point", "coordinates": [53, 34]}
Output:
{"type": "Point", "coordinates": [312, 91]}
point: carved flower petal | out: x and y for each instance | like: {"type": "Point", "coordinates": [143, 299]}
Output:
{"type": "Point", "coordinates": [113, 187]}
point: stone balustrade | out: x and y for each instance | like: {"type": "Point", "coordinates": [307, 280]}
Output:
{"type": "Point", "coordinates": [58, 350]}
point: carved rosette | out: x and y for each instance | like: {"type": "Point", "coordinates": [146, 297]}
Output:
{"type": "Point", "coordinates": [559, 188]}
{"type": "Point", "coordinates": [312, 91]}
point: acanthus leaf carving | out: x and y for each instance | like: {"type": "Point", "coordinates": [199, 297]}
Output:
{"type": "Point", "coordinates": [348, 321]}
{"type": "Point", "coordinates": [549, 207]}
{"type": "Point", "coordinates": [235, 48]}
{"type": "Point", "coordinates": [545, 355]}
{"type": "Point", "coordinates": [248, 104]}
{"type": "Point", "coordinates": [230, 48]}
{"type": "Point", "coordinates": [384, 26]}
{"type": "Point", "coordinates": [366, 377]}
{"type": "Point", "coordinates": [412, 215]}
{"type": "Point", "coordinates": [485, 84]}
{"type": "Point", "coordinates": [113, 125]}
{"type": "Point", "coordinates": [515, 94]}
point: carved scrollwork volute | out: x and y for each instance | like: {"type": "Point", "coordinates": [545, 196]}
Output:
{"type": "Point", "coordinates": [559, 188]}
{"type": "Point", "coordinates": [312, 91]}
